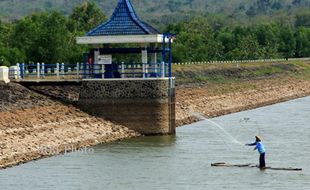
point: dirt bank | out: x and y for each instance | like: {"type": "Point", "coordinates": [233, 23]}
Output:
{"type": "Point", "coordinates": [214, 101]}
{"type": "Point", "coordinates": [33, 126]}
{"type": "Point", "coordinates": [219, 89]}
{"type": "Point", "coordinates": [15, 97]}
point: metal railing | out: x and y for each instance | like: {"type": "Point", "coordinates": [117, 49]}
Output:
{"type": "Point", "coordinates": [242, 61]}
{"type": "Point", "coordinates": [79, 71]}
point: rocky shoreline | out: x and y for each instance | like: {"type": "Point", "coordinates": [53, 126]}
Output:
{"type": "Point", "coordinates": [33, 126]}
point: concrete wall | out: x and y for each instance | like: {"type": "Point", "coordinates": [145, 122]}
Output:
{"type": "Point", "coordinates": [144, 105]}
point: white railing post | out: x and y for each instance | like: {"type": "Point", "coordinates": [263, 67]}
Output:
{"type": "Point", "coordinates": [155, 69]}
{"type": "Point", "coordinates": [154, 61]}
{"type": "Point", "coordinates": [134, 69]}
{"type": "Point", "coordinates": [123, 70]}
{"type": "Point", "coordinates": [63, 70]}
{"type": "Point", "coordinates": [143, 69]}
{"type": "Point", "coordinates": [128, 69]}
{"type": "Point", "coordinates": [38, 70]}
{"type": "Point", "coordinates": [78, 70]}
{"type": "Point", "coordinates": [23, 70]}
{"type": "Point", "coordinates": [57, 70]}
{"type": "Point", "coordinates": [43, 70]}
{"type": "Point", "coordinates": [162, 69]}
{"type": "Point", "coordinates": [26, 70]}
{"type": "Point", "coordinates": [18, 71]}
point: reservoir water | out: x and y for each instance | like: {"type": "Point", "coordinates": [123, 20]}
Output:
{"type": "Point", "coordinates": [183, 162]}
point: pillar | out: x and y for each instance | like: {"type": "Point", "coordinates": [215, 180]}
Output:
{"type": "Point", "coordinates": [144, 63]}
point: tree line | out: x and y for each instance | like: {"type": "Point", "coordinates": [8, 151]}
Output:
{"type": "Point", "coordinates": [49, 37]}
{"type": "Point", "coordinates": [199, 40]}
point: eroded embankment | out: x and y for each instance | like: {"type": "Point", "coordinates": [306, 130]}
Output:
{"type": "Point", "coordinates": [33, 126]}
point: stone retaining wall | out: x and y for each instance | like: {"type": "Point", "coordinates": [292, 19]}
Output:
{"type": "Point", "coordinates": [144, 105]}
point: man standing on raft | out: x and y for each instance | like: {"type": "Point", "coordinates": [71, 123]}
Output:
{"type": "Point", "coordinates": [261, 149]}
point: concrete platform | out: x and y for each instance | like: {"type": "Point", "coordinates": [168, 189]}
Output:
{"type": "Point", "coordinates": [144, 105]}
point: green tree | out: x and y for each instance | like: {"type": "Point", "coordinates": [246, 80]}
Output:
{"type": "Point", "coordinates": [43, 37]}
{"type": "Point", "coordinates": [302, 20]}
{"type": "Point", "coordinates": [51, 37]}
{"type": "Point", "coordinates": [10, 56]}
{"type": "Point", "coordinates": [228, 41]}
{"type": "Point", "coordinates": [5, 31]}
{"type": "Point", "coordinates": [287, 43]}
{"type": "Point", "coordinates": [267, 38]}
{"type": "Point", "coordinates": [196, 41]}
{"type": "Point", "coordinates": [85, 17]}
{"type": "Point", "coordinates": [302, 37]}
{"type": "Point", "coordinates": [249, 48]}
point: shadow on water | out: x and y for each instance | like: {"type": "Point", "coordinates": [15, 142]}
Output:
{"type": "Point", "coordinates": [152, 141]}
{"type": "Point", "coordinates": [140, 144]}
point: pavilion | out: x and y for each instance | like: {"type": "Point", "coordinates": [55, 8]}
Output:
{"type": "Point", "coordinates": [125, 27]}
{"type": "Point", "coordinates": [140, 95]}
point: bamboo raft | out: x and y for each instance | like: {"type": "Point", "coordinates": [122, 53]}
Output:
{"type": "Point", "coordinates": [223, 164]}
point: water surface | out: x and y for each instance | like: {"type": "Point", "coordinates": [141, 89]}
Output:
{"type": "Point", "coordinates": [183, 162]}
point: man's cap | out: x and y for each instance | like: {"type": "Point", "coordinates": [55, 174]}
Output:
{"type": "Point", "coordinates": [258, 138]}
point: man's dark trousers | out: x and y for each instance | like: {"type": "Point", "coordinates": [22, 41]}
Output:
{"type": "Point", "coordinates": [262, 162]}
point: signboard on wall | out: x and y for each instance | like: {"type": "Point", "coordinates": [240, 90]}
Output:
{"type": "Point", "coordinates": [105, 59]}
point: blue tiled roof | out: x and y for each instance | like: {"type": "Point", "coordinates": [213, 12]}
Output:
{"type": "Point", "coordinates": [124, 21]}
